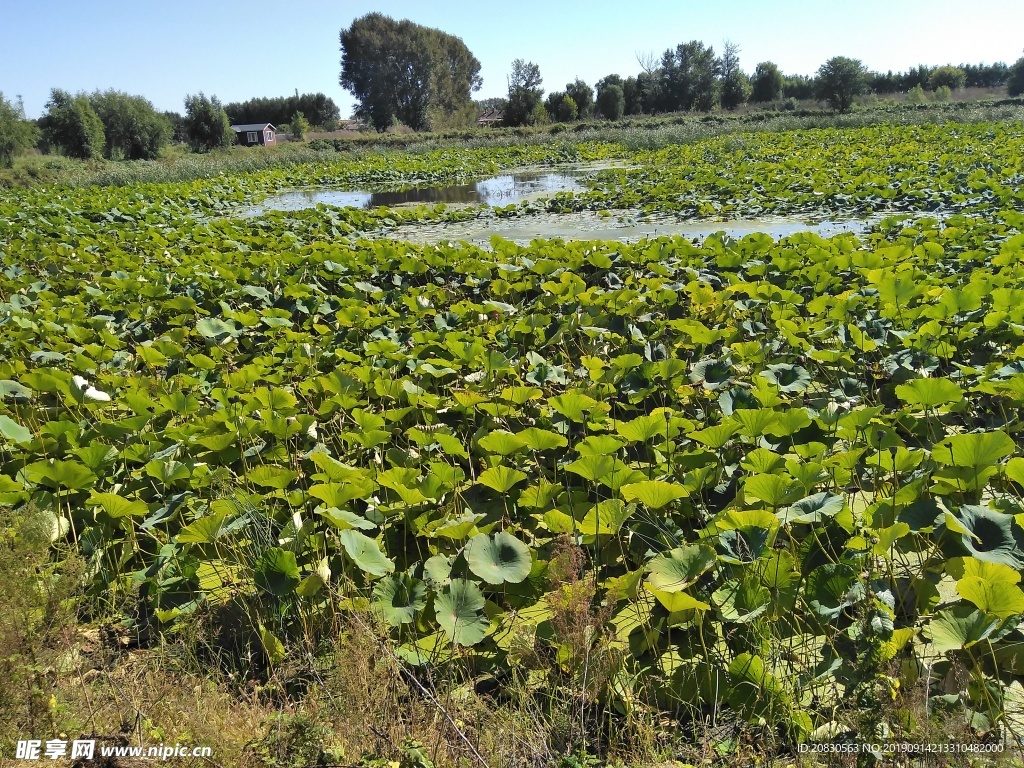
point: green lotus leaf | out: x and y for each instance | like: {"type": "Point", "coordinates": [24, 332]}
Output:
{"type": "Point", "coordinates": [930, 393]}
{"type": "Point", "coordinates": [502, 442]}
{"type": "Point", "coordinates": [72, 475]}
{"type": "Point", "coordinates": [541, 439]}
{"type": "Point", "coordinates": [572, 405]}
{"type": "Point", "coordinates": [773, 490]}
{"type": "Point", "coordinates": [437, 570]}
{"type": "Point", "coordinates": [606, 517]}
{"type": "Point", "coordinates": [13, 431]}
{"type": "Point", "coordinates": [997, 598]}
{"type": "Point", "coordinates": [344, 519]}
{"type": "Point", "coordinates": [276, 572]}
{"type": "Point", "coordinates": [674, 602]}
{"type": "Point", "coordinates": [498, 558]}
{"type": "Point", "coordinates": [339, 494]}
{"type": "Point", "coordinates": [754, 690]}
{"type": "Point", "coordinates": [712, 373]}
{"type": "Point", "coordinates": [272, 646]}
{"type": "Point", "coordinates": [990, 536]}
{"type": "Point", "coordinates": [676, 569]}
{"type": "Point", "coordinates": [787, 377]}
{"type": "Point", "coordinates": [12, 390]}
{"type": "Point", "coordinates": [118, 506]}
{"type": "Point", "coordinates": [592, 467]}
{"type": "Point", "coordinates": [978, 449]}
{"type": "Point", "coordinates": [271, 477]}
{"type": "Point", "coordinates": [459, 611]}
{"type": "Point", "coordinates": [813, 509]}
{"type": "Point", "coordinates": [216, 329]}
{"type": "Point", "coordinates": [831, 588]}
{"type": "Point", "coordinates": [741, 600]}
{"type": "Point", "coordinates": [653, 494]}
{"type": "Point", "coordinates": [364, 552]}
{"type": "Point", "coordinates": [400, 597]}
{"type": "Point", "coordinates": [501, 478]}
{"type": "Point", "coordinates": [961, 626]}
{"type": "Point", "coordinates": [643, 428]}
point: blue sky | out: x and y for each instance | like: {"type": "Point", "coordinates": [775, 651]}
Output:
{"type": "Point", "coordinates": [245, 48]}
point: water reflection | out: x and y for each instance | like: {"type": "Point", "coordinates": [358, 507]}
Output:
{"type": "Point", "coordinates": [505, 189]}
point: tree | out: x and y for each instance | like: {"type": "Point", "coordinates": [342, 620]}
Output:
{"type": "Point", "coordinates": [766, 84]}
{"type": "Point", "coordinates": [840, 79]}
{"type": "Point", "coordinates": [133, 128]}
{"type": "Point", "coordinates": [1015, 78]}
{"type": "Point", "coordinates": [561, 107]}
{"type": "Point", "coordinates": [206, 124]}
{"type": "Point", "coordinates": [799, 87]}
{"type": "Point", "coordinates": [71, 126]}
{"type": "Point", "coordinates": [16, 133]}
{"type": "Point", "coordinates": [583, 95]}
{"type": "Point", "coordinates": [317, 108]}
{"type": "Point", "coordinates": [953, 78]}
{"type": "Point", "coordinates": [687, 78]}
{"type": "Point", "coordinates": [406, 72]}
{"type": "Point", "coordinates": [524, 93]}
{"type": "Point", "coordinates": [299, 125]}
{"type": "Point", "coordinates": [611, 101]}
{"type": "Point", "coordinates": [735, 87]}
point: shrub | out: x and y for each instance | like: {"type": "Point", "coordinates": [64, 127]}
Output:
{"type": "Point", "coordinates": [16, 133]}
{"type": "Point", "coordinates": [1015, 82]}
{"type": "Point", "coordinates": [952, 78]}
{"type": "Point", "coordinates": [72, 126]}
{"type": "Point", "coordinates": [134, 130]}
{"type": "Point", "coordinates": [206, 124]}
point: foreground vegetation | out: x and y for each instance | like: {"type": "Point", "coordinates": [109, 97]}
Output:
{"type": "Point", "coordinates": [549, 504]}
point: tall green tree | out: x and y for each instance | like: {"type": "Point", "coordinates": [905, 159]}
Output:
{"type": "Point", "coordinates": [687, 78]}
{"type": "Point", "coordinates": [133, 128]}
{"type": "Point", "coordinates": [1015, 78]}
{"type": "Point", "coordinates": [840, 79]}
{"type": "Point", "coordinates": [735, 86]}
{"type": "Point", "coordinates": [583, 96]}
{"type": "Point", "coordinates": [206, 124]}
{"type": "Point", "coordinates": [953, 78]}
{"type": "Point", "coordinates": [402, 71]}
{"type": "Point", "coordinates": [71, 126]}
{"type": "Point", "coordinates": [16, 133]}
{"type": "Point", "coordinates": [561, 107]}
{"type": "Point", "coordinates": [524, 93]}
{"type": "Point", "coordinates": [611, 101]}
{"type": "Point", "coordinates": [766, 85]}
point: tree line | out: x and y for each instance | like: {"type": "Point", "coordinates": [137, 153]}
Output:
{"type": "Point", "coordinates": [691, 77]}
{"type": "Point", "coordinates": [115, 125]}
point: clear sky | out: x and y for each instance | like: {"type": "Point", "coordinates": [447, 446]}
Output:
{"type": "Point", "coordinates": [244, 48]}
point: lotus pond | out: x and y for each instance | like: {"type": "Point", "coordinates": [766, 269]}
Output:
{"type": "Point", "coordinates": [775, 477]}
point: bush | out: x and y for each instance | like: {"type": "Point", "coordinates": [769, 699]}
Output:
{"type": "Point", "coordinates": [561, 107]}
{"type": "Point", "coordinates": [299, 125]}
{"type": "Point", "coordinates": [16, 133]}
{"type": "Point", "coordinates": [916, 95]}
{"type": "Point", "coordinates": [72, 127]}
{"type": "Point", "coordinates": [1015, 82]}
{"type": "Point", "coordinates": [951, 78]}
{"type": "Point", "coordinates": [133, 128]}
{"type": "Point", "coordinates": [942, 93]}
{"type": "Point", "coordinates": [206, 124]}
{"type": "Point", "coordinates": [611, 101]}
{"type": "Point", "coordinates": [839, 80]}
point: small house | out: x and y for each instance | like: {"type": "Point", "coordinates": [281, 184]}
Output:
{"type": "Point", "coordinates": [492, 118]}
{"type": "Point", "coordinates": [255, 133]}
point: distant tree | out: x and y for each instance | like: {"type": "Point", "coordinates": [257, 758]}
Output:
{"type": "Point", "coordinates": [735, 86]}
{"type": "Point", "coordinates": [399, 70]}
{"type": "Point", "coordinates": [133, 128]}
{"type": "Point", "coordinates": [298, 125]}
{"type": "Point", "coordinates": [985, 75]}
{"type": "Point", "coordinates": [1015, 78]}
{"type": "Point", "coordinates": [611, 101]}
{"type": "Point", "coordinates": [71, 126]}
{"type": "Point", "coordinates": [799, 87]}
{"type": "Point", "coordinates": [317, 108]}
{"type": "Point", "coordinates": [687, 79]}
{"type": "Point", "coordinates": [641, 93]}
{"type": "Point", "coordinates": [583, 95]}
{"type": "Point", "coordinates": [953, 78]}
{"type": "Point", "coordinates": [840, 79]}
{"type": "Point", "coordinates": [206, 124]}
{"type": "Point", "coordinates": [919, 75]}
{"type": "Point", "coordinates": [878, 82]}
{"type": "Point", "coordinates": [177, 123]}
{"type": "Point", "coordinates": [16, 133]}
{"type": "Point", "coordinates": [524, 93]}
{"type": "Point", "coordinates": [766, 84]}
{"type": "Point", "coordinates": [490, 104]}
{"type": "Point", "coordinates": [561, 107]}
